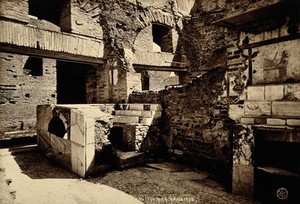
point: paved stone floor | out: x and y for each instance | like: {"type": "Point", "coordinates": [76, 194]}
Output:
{"type": "Point", "coordinates": [41, 180]}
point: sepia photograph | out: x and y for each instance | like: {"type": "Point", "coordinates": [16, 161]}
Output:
{"type": "Point", "coordinates": [149, 101]}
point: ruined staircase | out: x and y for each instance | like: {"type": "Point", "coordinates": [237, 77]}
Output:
{"type": "Point", "coordinates": [135, 114]}
{"type": "Point", "coordinates": [135, 119]}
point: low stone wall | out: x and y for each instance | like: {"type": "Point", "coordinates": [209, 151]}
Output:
{"type": "Point", "coordinates": [145, 97]}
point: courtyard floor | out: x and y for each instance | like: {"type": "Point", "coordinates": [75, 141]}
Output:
{"type": "Point", "coordinates": [38, 180]}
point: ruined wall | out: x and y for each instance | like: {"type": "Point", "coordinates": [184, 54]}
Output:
{"type": "Point", "coordinates": [85, 19]}
{"type": "Point", "coordinates": [21, 91]}
{"type": "Point", "coordinates": [159, 80]}
{"type": "Point", "coordinates": [127, 28]}
{"type": "Point", "coordinates": [195, 120]}
{"type": "Point", "coordinates": [203, 42]}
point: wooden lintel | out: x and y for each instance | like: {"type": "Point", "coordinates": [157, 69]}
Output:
{"type": "Point", "coordinates": [49, 54]}
{"type": "Point", "coordinates": [139, 67]}
{"type": "Point", "coordinates": [272, 41]}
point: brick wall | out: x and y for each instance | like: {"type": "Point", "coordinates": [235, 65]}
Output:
{"type": "Point", "coordinates": [20, 92]}
{"type": "Point", "coordinates": [144, 40]}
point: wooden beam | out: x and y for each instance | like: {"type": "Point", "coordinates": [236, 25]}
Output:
{"type": "Point", "coordinates": [49, 54]}
{"type": "Point", "coordinates": [139, 67]}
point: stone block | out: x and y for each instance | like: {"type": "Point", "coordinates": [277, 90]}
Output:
{"type": "Point", "coordinates": [129, 159]}
{"type": "Point", "coordinates": [260, 120]}
{"type": "Point", "coordinates": [257, 108]}
{"type": "Point", "coordinates": [135, 106]}
{"type": "Point", "coordinates": [292, 90]}
{"type": "Point", "coordinates": [274, 92]}
{"type": "Point", "coordinates": [146, 121]}
{"type": "Point", "coordinates": [77, 129]}
{"type": "Point", "coordinates": [78, 159]}
{"type": "Point", "coordinates": [293, 122]}
{"type": "Point", "coordinates": [256, 93]}
{"type": "Point", "coordinates": [286, 108]}
{"type": "Point", "coordinates": [247, 120]}
{"type": "Point", "coordinates": [128, 112]}
{"type": "Point", "coordinates": [275, 121]}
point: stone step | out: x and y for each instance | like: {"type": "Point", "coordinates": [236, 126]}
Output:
{"type": "Point", "coordinates": [132, 120]}
{"type": "Point", "coordinates": [129, 159]}
{"type": "Point", "coordinates": [140, 106]}
{"type": "Point", "coordinates": [18, 149]}
{"type": "Point", "coordinates": [147, 114]}
{"type": "Point", "coordinates": [126, 119]}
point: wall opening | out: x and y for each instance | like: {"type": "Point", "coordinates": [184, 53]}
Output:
{"type": "Point", "coordinates": [48, 10]}
{"type": "Point", "coordinates": [116, 137]}
{"type": "Point", "coordinates": [33, 66]}
{"type": "Point", "coordinates": [162, 37]}
{"type": "Point", "coordinates": [145, 81]}
{"type": "Point", "coordinates": [72, 82]}
{"type": "Point", "coordinates": [277, 166]}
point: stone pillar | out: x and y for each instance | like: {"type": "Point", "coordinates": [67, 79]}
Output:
{"type": "Point", "coordinates": [243, 169]}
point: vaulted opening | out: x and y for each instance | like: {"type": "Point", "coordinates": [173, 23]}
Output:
{"type": "Point", "coordinates": [162, 37]}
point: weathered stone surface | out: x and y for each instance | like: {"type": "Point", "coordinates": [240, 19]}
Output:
{"type": "Point", "coordinates": [243, 180]}
{"type": "Point", "coordinates": [276, 121]}
{"type": "Point", "coordinates": [286, 108]}
{"type": "Point", "coordinates": [257, 108]}
{"type": "Point", "coordinates": [236, 112]}
{"type": "Point", "coordinates": [247, 120]}
{"type": "Point", "coordinates": [256, 93]}
{"type": "Point", "coordinates": [274, 92]}
{"type": "Point", "coordinates": [293, 122]}
{"type": "Point", "coordinates": [243, 145]}
{"type": "Point", "coordinates": [129, 159]}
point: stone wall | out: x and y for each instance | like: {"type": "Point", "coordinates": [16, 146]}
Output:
{"type": "Point", "coordinates": [21, 91]}
{"type": "Point", "coordinates": [195, 120]}
{"type": "Point", "coordinates": [203, 42]}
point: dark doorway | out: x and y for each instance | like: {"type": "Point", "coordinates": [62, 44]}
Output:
{"type": "Point", "coordinates": [116, 137]}
{"type": "Point", "coordinates": [48, 10]}
{"type": "Point", "coordinates": [71, 83]}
